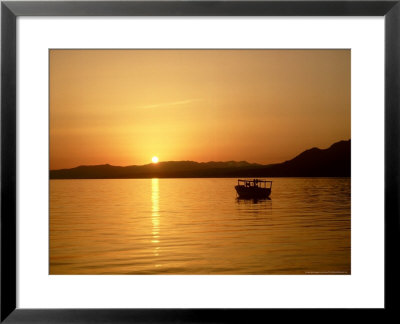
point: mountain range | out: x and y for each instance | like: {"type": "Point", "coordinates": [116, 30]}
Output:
{"type": "Point", "coordinates": [334, 161]}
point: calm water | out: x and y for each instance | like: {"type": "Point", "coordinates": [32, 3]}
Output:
{"type": "Point", "coordinates": [197, 226]}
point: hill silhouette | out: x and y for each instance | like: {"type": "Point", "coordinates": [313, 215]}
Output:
{"type": "Point", "coordinates": [334, 161]}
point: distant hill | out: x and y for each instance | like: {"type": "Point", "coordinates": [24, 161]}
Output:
{"type": "Point", "coordinates": [334, 161]}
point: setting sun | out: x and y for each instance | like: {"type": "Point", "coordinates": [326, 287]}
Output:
{"type": "Point", "coordinates": [154, 159]}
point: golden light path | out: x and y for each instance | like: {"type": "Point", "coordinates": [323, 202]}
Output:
{"type": "Point", "coordinates": [155, 216]}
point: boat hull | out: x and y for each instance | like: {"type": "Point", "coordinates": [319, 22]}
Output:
{"type": "Point", "coordinates": [252, 192]}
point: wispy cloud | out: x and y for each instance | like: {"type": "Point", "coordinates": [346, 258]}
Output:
{"type": "Point", "coordinates": [172, 103]}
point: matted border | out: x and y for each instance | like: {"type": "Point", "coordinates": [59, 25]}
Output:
{"type": "Point", "coordinates": [11, 10]}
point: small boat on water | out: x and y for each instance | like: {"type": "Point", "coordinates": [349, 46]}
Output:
{"type": "Point", "coordinates": [255, 188]}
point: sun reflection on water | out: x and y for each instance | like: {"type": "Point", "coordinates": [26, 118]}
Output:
{"type": "Point", "coordinates": [155, 215]}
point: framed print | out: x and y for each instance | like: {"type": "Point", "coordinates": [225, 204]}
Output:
{"type": "Point", "coordinates": [190, 161]}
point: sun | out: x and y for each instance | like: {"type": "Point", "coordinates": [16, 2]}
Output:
{"type": "Point", "coordinates": [154, 159]}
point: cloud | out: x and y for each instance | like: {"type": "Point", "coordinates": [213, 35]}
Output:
{"type": "Point", "coordinates": [169, 104]}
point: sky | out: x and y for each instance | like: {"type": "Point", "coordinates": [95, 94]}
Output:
{"type": "Point", "coordinates": [122, 107]}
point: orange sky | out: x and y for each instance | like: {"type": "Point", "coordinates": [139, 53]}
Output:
{"type": "Point", "coordinates": [124, 106]}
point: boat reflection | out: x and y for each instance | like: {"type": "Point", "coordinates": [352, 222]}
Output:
{"type": "Point", "coordinates": [252, 200]}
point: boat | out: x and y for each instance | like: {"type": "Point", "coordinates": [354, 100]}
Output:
{"type": "Point", "coordinates": [253, 189]}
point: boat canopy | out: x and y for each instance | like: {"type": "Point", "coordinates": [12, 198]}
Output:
{"type": "Point", "coordinates": [255, 183]}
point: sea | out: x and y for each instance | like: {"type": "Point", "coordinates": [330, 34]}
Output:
{"type": "Point", "coordinates": [199, 226]}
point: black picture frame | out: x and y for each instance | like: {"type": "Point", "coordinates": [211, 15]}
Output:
{"type": "Point", "coordinates": [10, 10]}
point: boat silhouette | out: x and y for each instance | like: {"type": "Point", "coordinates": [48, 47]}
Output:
{"type": "Point", "coordinates": [253, 189]}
